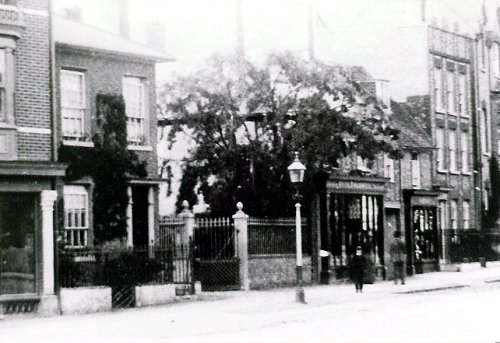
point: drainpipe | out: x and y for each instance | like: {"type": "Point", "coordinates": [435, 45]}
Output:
{"type": "Point", "coordinates": [475, 133]}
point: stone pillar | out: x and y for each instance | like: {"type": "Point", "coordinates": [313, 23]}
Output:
{"type": "Point", "coordinates": [241, 227]}
{"type": "Point", "coordinates": [151, 215]}
{"type": "Point", "coordinates": [47, 204]}
{"type": "Point", "coordinates": [189, 222]}
{"type": "Point", "coordinates": [130, 223]}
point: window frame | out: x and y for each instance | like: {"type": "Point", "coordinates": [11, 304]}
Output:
{"type": "Point", "coordinates": [450, 92]}
{"type": "Point", "coordinates": [389, 168]}
{"type": "Point", "coordinates": [438, 89]}
{"type": "Point", "coordinates": [80, 108]}
{"type": "Point", "coordinates": [440, 158]}
{"type": "Point", "coordinates": [454, 215]}
{"type": "Point", "coordinates": [76, 236]}
{"type": "Point", "coordinates": [416, 180]}
{"type": "Point", "coordinates": [465, 214]}
{"type": "Point", "coordinates": [136, 122]}
{"type": "Point", "coordinates": [464, 151]}
{"type": "Point", "coordinates": [452, 151]}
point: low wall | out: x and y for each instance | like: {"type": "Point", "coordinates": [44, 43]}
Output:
{"type": "Point", "coordinates": [154, 295]}
{"type": "Point", "coordinates": [82, 300]}
{"type": "Point", "coordinates": [266, 271]}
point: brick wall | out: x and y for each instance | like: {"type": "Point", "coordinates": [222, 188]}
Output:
{"type": "Point", "coordinates": [33, 84]}
{"type": "Point", "coordinates": [103, 73]}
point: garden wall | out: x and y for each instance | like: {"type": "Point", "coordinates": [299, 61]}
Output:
{"type": "Point", "coordinates": [267, 271]}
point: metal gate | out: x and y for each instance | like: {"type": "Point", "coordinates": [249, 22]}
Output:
{"type": "Point", "coordinates": [216, 254]}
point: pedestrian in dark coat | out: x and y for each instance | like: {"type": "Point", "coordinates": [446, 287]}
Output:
{"type": "Point", "coordinates": [358, 265]}
{"type": "Point", "coordinates": [397, 250]}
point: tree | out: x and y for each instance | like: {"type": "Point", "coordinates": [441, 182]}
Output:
{"type": "Point", "coordinates": [247, 119]}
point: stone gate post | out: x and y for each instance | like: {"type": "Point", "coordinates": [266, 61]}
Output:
{"type": "Point", "coordinates": [189, 222]}
{"type": "Point", "coordinates": [241, 227]}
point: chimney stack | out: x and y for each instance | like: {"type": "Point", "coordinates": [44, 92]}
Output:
{"type": "Point", "coordinates": [155, 35]}
{"type": "Point", "coordinates": [123, 20]}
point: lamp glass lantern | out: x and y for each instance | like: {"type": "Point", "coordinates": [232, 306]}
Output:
{"type": "Point", "coordinates": [296, 170]}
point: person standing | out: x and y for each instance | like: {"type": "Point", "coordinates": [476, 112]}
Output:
{"type": "Point", "coordinates": [358, 265]}
{"type": "Point", "coordinates": [397, 251]}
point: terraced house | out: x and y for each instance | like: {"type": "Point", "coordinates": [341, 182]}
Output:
{"type": "Point", "coordinates": [51, 69]}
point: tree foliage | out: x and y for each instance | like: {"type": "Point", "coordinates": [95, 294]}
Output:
{"type": "Point", "coordinates": [247, 119]}
{"type": "Point", "coordinates": [110, 165]}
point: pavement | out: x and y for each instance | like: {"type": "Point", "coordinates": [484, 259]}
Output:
{"type": "Point", "coordinates": [471, 275]}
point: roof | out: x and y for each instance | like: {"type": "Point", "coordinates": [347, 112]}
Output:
{"type": "Point", "coordinates": [412, 133]}
{"type": "Point", "coordinates": [76, 34]}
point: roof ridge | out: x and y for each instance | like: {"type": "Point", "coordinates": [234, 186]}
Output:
{"type": "Point", "coordinates": [107, 32]}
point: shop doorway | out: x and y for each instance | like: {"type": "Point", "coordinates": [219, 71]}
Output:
{"type": "Point", "coordinates": [140, 221]}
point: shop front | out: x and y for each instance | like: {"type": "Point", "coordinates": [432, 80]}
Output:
{"type": "Point", "coordinates": [353, 216]}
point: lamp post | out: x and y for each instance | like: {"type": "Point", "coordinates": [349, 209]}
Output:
{"type": "Point", "coordinates": [297, 171]}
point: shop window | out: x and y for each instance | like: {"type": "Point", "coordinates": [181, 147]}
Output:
{"type": "Point", "coordinates": [76, 216]}
{"type": "Point", "coordinates": [18, 228]}
{"type": "Point", "coordinates": [73, 104]}
{"type": "Point", "coordinates": [134, 93]}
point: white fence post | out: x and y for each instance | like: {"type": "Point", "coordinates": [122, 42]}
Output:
{"type": "Point", "coordinates": [241, 227]}
{"type": "Point", "coordinates": [189, 222]}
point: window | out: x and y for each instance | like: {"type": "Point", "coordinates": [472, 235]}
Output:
{"type": "Point", "coordinates": [76, 216]}
{"type": "Point", "coordinates": [440, 149]}
{"type": "Point", "coordinates": [389, 168]}
{"type": "Point", "coordinates": [452, 147]}
{"type": "Point", "coordinates": [462, 94]}
{"type": "Point", "coordinates": [364, 164]}
{"type": "Point", "coordinates": [495, 60]}
{"type": "Point", "coordinates": [134, 94]}
{"type": "Point", "coordinates": [3, 109]}
{"type": "Point", "coordinates": [73, 104]}
{"type": "Point", "coordinates": [450, 91]}
{"type": "Point", "coordinates": [464, 142]}
{"type": "Point", "coordinates": [485, 132]}
{"type": "Point", "coordinates": [465, 214]}
{"type": "Point", "coordinates": [415, 171]}
{"type": "Point", "coordinates": [453, 215]}
{"type": "Point", "coordinates": [438, 89]}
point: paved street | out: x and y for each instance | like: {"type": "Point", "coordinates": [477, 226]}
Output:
{"type": "Point", "coordinates": [437, 307]}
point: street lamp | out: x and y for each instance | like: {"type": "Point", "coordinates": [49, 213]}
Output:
{"type": "Point", "coordinates": [297, 171]}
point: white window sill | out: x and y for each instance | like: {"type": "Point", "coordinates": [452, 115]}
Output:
{"type": "Point", "coordinates": [454, 172]}
{"type": "Point", "coordinates": [140, 147]}
{"type": "Point", "coordinates": [443, 171]}
{"type": "Point", "coordinates": [465, 115]}
{"type": "Point", "coordinates": [452, 114]}
{"type": "Point", "coordinates": [78, 143]}
{"type": "Point", "coordinates": [440, 111]}
{"type": "Point", "coordinates": [468, 173]}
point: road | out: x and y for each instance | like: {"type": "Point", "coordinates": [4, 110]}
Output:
{"type": "Point", "coordinates": [333, 314]}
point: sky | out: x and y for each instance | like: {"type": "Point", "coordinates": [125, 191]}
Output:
{"type": "Point", "coordinates": [196, 29]}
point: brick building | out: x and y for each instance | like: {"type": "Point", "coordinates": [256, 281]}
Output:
{"type": "Point", "coordinates": [90, 61]}
{"type": "Point", "coordinates": [29, 172]}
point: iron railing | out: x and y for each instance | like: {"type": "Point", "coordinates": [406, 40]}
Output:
{"type": "Point", "coordinates": [469, 245]}
{"type": "Point", "coordinates": [125, 266]}
{"type": "Point", "coordinates": [275, 236]}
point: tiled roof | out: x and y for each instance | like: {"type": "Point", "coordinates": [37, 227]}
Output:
{"type": "Point", "coordinates": [73, 33]}
{"type": "Point", "coordinates": [412, 133]}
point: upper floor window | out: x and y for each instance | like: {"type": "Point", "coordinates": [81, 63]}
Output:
{"type": "Point", "coordinates": [450, 91]}
{"type": "Point", "coordinates": [3, 68]}
{"type": "Point", "coordinates": [134, 93]}
{"type": "Point", "coordinates": [440, 149]}
{"type": "Point", "coordinates": [389, 168]}
{"type": "Point", "coordinates": [73, 104]}
{"type": "Point", "coordinates": [462, 94]}
{"type": "Point", "coordinates": [8, 2]}
{"type": "Point", "coordinates": [464, 143]}
{"type": "Point", "coordinates": [485, 131]}
{"type": "Point", "coordinates": [364, 164]}
{"type": "Point", "coordinates": [452, 147]}
{"type": "Point", "coordinates": [495, 60]}
{"type": "Point", "coordinates": [438, 89]}
{"type": "Point", "coordinates": [415, 170]}
{"type": "Point", "coordinates": [76, 216]}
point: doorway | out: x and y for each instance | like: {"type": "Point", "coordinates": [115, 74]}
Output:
{"type": "Point", "coordinates": [140, 220]}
